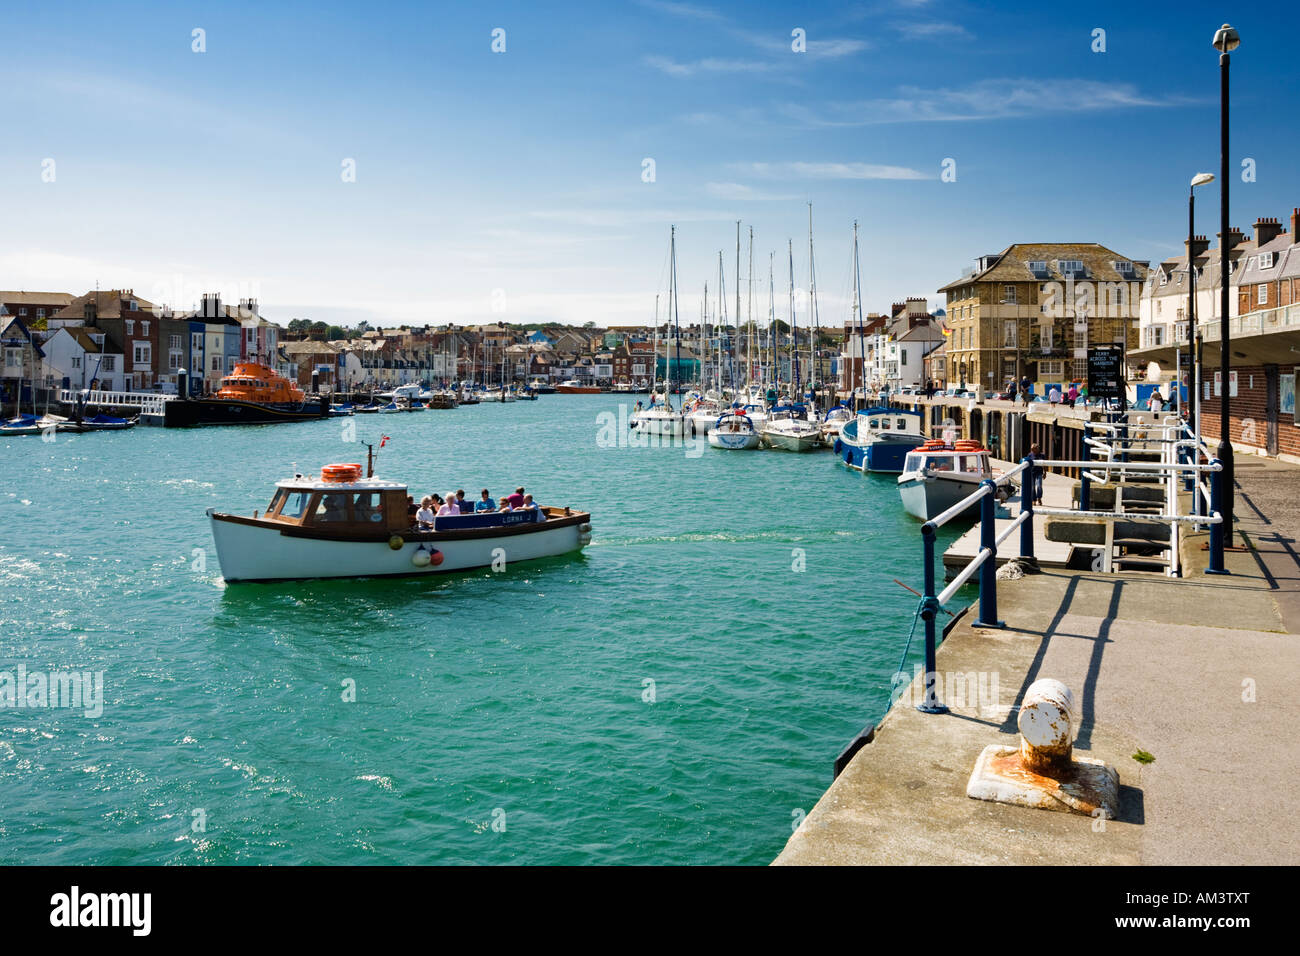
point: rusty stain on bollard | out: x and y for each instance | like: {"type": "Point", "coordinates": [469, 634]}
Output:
{"type": "Point", "coordinates": [1043, 771]}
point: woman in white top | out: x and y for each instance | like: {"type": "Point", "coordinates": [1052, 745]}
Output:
{"type": "Point", "coordinates": [424, 517]}
{"type": "Point", "coordinates": [449, 506]}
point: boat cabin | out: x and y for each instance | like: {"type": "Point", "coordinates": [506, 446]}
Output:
{"type": "Point", "coordinates": [965, 458]}
{"type": "Point", "coordinates": [366, 505]}
{"type": "Point", "coordinates": [891, 420]}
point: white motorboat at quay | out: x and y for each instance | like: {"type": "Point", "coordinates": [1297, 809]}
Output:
{"type": "Point", "coordinates": [734, 431]}
{"type": "Point", "coordinates": [937, 476]}
{"type": "Point", "coordinates": [340, 525]}
{"type": "Point", "coordinates": [787, 429]}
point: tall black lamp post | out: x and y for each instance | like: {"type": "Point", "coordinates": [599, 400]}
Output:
{"type": "Point", "coordinates": [1200, 179]}
{"type": "Point", "coordinates": [1226, 39]}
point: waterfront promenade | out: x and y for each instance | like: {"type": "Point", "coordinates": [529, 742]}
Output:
{"type": "Point", "coordinates": [1197, 672]}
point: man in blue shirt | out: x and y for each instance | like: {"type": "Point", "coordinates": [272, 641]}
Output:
{"type": "Point", "coordinates": [485, 503]}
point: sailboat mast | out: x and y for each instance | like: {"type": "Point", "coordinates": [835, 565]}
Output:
{"type": "Point", "coordinates": [794, 327]}
{"type": "Point", "coordinates": [749, 321]}
{"type": "Point", "coordinates": [771, 314]}
{"type": "Point", "coordinates": [735, 345]}
{"type": "Point", "coordinates": [677, 337]}
{"type": "Point", "coordinates": [857, 302]}
{"type": "Point", "coordinates": [654, 349]}
{"type": "Point", "coordinates": [814, 372]}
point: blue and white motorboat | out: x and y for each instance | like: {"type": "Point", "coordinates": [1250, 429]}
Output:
{"type": "Point", "coordinates": [879, 439]}
{"type": "Point", "coordinates": [937, 476]}
{"type": "Point", "coordinates": [108, 423]}
{"type": "Point", "coordinates": [734, 431]}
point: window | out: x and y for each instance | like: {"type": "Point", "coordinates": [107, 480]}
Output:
{"type": "Point", "coordinates": [1009, 294]}
{"type": "Point", "coordinates": [1051, 368]}
{"type": "Point", "coordinates": [196, 342]}
{"type": "Point", "coordinates": [174, 342]}
{"type": "Point", "coordinates": [144, 324]}
{"type": "Point", "coordinates": [143, 355]}
{"type": "Point", "coordinates": [1266, 260]}
{"type": "Point", "coordinates": [216, 363]}
{"type": "Point", "coordinates": [173, 360]}
{"type": "Point", "coordinates": [110, 363]}
{"type": "Point", "coordinates": [130, 326]}
{"type": "Point", "coordinates": [76, 361]}
{"type": "Point", "coordinates": [295, 503]}
{"type": "Point", "coordinates": [135, 307]}
{"type": "Point", "coordinates": [1009, 336]}
{"type": "Point", "coordinates": [40, 313]}
{"type": "Point", "coordinates": [1123, 266]}
{"type": "Point", "coordinates": [1263, 293]}
{"type": "Point", "coordinates": [13, 358]}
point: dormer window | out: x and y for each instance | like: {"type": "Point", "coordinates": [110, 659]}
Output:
{"type": "Point", "coordinates": [1266, 260]}
{"type": "Point", "coordinates": [1123, 266]}
{"type": "Point", "coordinates": [1069, 266]}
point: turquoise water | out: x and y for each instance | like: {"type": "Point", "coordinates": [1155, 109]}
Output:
{"type": "Point", "coordinates": [499, 718]}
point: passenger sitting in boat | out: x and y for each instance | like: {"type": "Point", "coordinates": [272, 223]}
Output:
{"type": "Point", "coordinates": [426, 513]}
{"type": "Point", "coordinates": [449, 507]}
{"type": "Point", "coordinates": [513, 502]}
{"type": "Point", "coordinates": [528, 504]}
{"type": "Point", "coordinates": [460, 502]}
{"type": "Point", "coordinates": [411, 508]}
{"type": "Point", "coordinates": [485, 503]}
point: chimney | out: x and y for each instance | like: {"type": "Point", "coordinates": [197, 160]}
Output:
{"type": "Point", "coordinates": [1295, 225]}
{"type": "Point", "coordinates": [1266, 230]}
{"type": "Point", "coordinates": [1235, 237]}
{"type": "Point", "coordinates": [210, 308]}
{"type": "Point", "coordinates": [1198, 245]}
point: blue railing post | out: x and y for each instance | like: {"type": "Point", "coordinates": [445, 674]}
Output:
{"type": "Point", "coordinates": [1216, 529]}
{"type": "Point", "coordinates": [929, 610]}
{"type": "Point", "coordinates": [1085, 483]}
{"type": "Point", "coordinates": [1027, 507]}
{"type": "Point", "coordinates": [989, 569]}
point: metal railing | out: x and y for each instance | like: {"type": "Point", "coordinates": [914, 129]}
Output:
{"type": "Point", "coordinates": [149, 403]}
{"type": "Point", "coordinates": [985, 560]}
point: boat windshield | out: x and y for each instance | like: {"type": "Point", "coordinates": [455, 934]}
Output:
{"type": "Point", "coordinates": [294, 503]}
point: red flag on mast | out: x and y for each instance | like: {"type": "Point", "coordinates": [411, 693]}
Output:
{"type": "Point", "coordinates": [384, 441]}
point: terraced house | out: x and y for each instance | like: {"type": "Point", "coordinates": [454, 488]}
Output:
{"type": "Point", "coordinates": [1034, 308]}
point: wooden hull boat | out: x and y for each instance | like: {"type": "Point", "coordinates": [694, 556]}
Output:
{"type": "Point", "coordinates": [357, 528]}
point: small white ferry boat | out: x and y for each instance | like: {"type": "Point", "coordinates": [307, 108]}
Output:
{"type": "Point", "coordinates": [937, 476]}
{"type": "Point", "coordinates": [340, 525]}
{"type": "Point", "coordinates": [734, 431]}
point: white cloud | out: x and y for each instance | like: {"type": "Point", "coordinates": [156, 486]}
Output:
{"type": "Point", "coordinates": [805, 170]}
{"type": "Point", "coordinates": [932, 30]}
{"type": "Point", "coordinates": [739, 191]}
{"type": "Point", "coordinates": [707, 65]}
{"type": "Point", "coordinates": [983, 100]}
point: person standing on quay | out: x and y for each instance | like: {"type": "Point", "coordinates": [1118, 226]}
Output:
{"type": "Point", "coordinates": [1036, 487]}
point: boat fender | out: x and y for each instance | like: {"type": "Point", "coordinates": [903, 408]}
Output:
{"type": "Point", "coordinates": [396, 542]}
{"type": "Point", "coordinates": [435, 557]}
{"type": "Point", "coordinates": [584, 539]}
{"type": "Point", "coordinates": [839, 446]}
{"type": "Point", "coordinates": [848, 456]}
{"type": "Point", "coordinates": [421, 557]}
{"type": "Point", "coordinates": [585, 527]}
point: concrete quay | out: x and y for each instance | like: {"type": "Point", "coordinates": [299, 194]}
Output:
{"type": "Point", "coordinates": [1196, 671]}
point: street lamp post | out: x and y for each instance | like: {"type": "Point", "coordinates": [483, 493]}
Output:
{"type": "Point", "coordinates": [1193, 419]}
{"type": "Point", "coordinates": [1226, 39]}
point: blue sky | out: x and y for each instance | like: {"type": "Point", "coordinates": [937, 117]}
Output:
{"type": "Point", "coordinates": [178, 172]}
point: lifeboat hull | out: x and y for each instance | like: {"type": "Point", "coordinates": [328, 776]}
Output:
{"type": "Point", "coordinates": [188, 413]}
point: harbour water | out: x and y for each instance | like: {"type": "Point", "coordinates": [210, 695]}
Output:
{"type": "Point", "coordinates": [675, 694]}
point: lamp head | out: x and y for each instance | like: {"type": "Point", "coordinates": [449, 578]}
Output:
{"type": "Point", "coordinates": [1226, 39]}
{"type": "Point", "coordinates": [1200, 179]}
